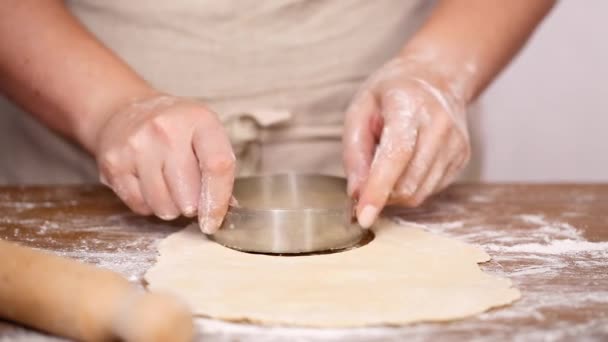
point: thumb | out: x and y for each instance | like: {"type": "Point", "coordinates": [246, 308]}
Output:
{"type": "Point", "coordinates": [217, 163]}
{"type": "Point", "coordinates": [361, 121]}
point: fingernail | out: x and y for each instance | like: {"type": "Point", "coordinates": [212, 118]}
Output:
{"type": "Point", "coordinates": [208, 225]}
{"type": "Point", "coordinates": [408, 189]}
{"type": "Point", "coordinates": [368, 216]}
{"type": "Point", "coordinates": [350, 186]}
{"type": "Point", "coordinates": [234, 202]}
{"type": "Point", "coordinates": [190, 210]}
{"type": "Point", "coordinates": [168, 217]}
{"type": "Point", "coordinates": [103, 180]}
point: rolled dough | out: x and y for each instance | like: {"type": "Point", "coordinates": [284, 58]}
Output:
{"type": "Point", "coordinates": [404, 275]}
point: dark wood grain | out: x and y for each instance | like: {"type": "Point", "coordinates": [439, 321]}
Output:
{"type": "Point", "coordinates": [550, 239]}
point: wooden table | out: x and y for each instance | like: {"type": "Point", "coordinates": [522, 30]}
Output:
{"type": "Point", "coordinates": [551, 240]}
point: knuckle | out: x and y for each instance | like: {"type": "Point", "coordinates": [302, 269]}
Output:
{"type": "Point", "coordinates": [156, 129]}
{"type": "Point", "coordinates": [134, 143]}
{"type": "Point", "coordinates": [399, 199]}
{"type": "Point", "coordinates": [395, 149]}
{"type": "Point", "coordinates": [407, 202]}
{"type": "Point", "coordinates": [405, 191]}
{"type": "Point", "coordinates": [463, 159]}
{"type": "Point", "coordinates": [139, 208]}
{"type": "Point", "coordinates": [408, 193]}
{"type": "Point", "coordinates": [132, 200]}
{"type": "Point", "coordinates": [412, 201]}
{"type": "Point", "coordinates": [403, 194]}
{"type": "Point", "coordinates": [458, 149]}
{"type": "Point", "coordinates": [158, 123]}
{"type": "Point", "coordinates": [108, 164]}
{"type": "Point", "coordinates": [417, 201]}
{"type": "Point", "coordinates": [428, 189]}
{"type": "Point", "coordinates": [463, 141]}
{"type": "Point", "coordinates": [445, 126]}
{"type": "Point", "coordinates": [159, 127]}
{"type": "Point", "coordinates": [220, 164]}
{"type": "Point", "coordinates": [125, 195]}
{"type": "Point", "coordinates": [417, 169]}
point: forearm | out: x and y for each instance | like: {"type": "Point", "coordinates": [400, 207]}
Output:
{"type": "Point", "coordinates": [470, 41]}
{"type": "Point", "coordinates": [55, 69]}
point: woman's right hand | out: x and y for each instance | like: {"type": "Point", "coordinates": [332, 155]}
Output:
{"type": "Point", "coordinates": [168, 156]}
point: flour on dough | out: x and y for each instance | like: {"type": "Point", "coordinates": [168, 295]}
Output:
{"type": "Point", "coordinates": [404, 275]}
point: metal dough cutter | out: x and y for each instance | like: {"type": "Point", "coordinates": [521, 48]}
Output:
{"type": "Point", "coordinates": [290, 214]}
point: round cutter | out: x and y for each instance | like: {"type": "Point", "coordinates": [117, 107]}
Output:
{"type": "Point", "coordinates": [290, 214]}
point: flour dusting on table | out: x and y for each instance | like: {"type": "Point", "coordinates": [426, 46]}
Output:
{"type": "Point", "coordinates": [540, 249]}
{"type": "Point", "coordinates": [545, 257]}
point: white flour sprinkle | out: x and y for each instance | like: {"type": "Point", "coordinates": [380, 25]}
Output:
{"type": "Point", "coordinates": [557, 238]}
{"type": "Point", "coordinates": [537, 251]}
{"type": "Point", "coordinates": [130, 255]}
{"type": "Point", "coordinates": [543, 238]}
{"type": "Point", "coordinates": [535, 219]}
{"type": "Point", "coordinates": [555, 247]}
{"type": "Point", "coordinates": [480, 199]}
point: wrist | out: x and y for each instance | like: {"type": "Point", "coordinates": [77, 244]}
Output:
{"type": "Point", "coordinates": [102, 107]}
{"type": "Point", "coordinates": [451, 71]}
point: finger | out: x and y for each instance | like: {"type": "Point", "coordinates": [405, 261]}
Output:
{"type": "Point", "coordinates": [431, 182]}
{"type": "Point", "coordinates": [234, 202]}
{"type": "Point", "coordinates": [431, 141]}
{"type": "Point", "coordinates": [155, 190]}
{"type": "Point", "coordinates": [452, 171]}
{"type": "Point", "coordinates": [217, 164]}
{"type": "Point", "coordinates": [448, 176]}
{"type": "Point", "coordinates": [461, 154]}
{"type": "Point", "coordinates": [359, 140]}
{"type": "Point", "coordinates": [104, 180]}
{"type": "Point", "coordinates": [127, 189]}
{"type": "Point", "coordinates": [111, 166]}
{"type": "Point", "coordinates": [395, 150]}
{"type": "Point", "coordinates": [119, 176]}
{"type": "Point", "coordinates": [446, 153]}
{"type": "Point", "coordinates": [182, 176]}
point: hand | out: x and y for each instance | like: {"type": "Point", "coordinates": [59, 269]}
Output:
{"type": "Point", "coordinates": [168, 156]}
{"type": "Point", "coordinates": [405, 137]}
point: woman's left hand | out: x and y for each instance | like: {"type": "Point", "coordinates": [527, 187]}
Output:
{"type": "Point", "coordinates": [405, 136]}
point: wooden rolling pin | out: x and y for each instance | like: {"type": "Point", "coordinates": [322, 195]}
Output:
{"type": "Point", "coordinates": [83, 302]}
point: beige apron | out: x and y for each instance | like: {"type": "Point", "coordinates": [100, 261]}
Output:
{"type": "Point", "coordinates": [280, 73]}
